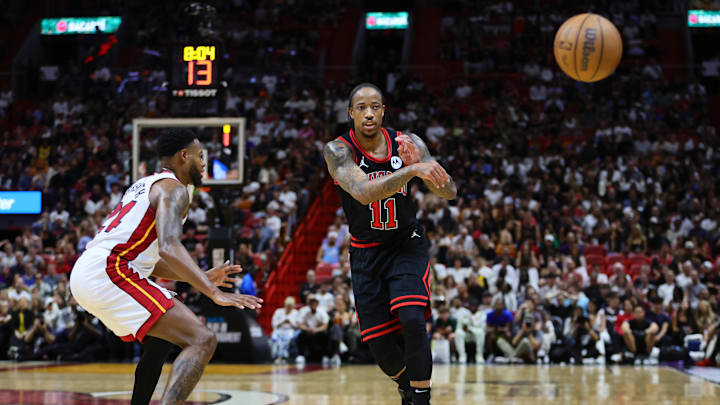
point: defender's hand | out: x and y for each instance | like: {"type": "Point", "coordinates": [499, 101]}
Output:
{"type": "Point", "coordinates": [408, 151]}
{"type": "Point", "coordinates": [219, 275]}
{"type": "Point", "coordinates": [432, 172]}
{"type": "Point", "coordinates": [237, 300]}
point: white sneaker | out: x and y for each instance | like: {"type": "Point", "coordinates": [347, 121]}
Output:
{"type": "Point", "coordinates": [336, 361]}
{"type": "Point", "coordinates": [462, 359]}
{"type": "Point", "coordinates": [480, 360]}
{"type": "Point", "coordinates": [638, 362]}
{"type": "Point", "coordinates": [600, 360]}
{"type": "Point", "coordinates": [501, 360]}
{"type": "Point", "coordinates": [588, 361]}
{"type": "Point", "coordinates": [343, 348]}
{"type": "Point", "coordinates": [616, 358]}
{"type": "Point", "coordinates": [651, 361]}
{"type": "Point", "coordinates": [325, 360]}
{"type": "Point", "coordinates": [655, 353]}
{"type": "Point", "coordinates": [517, 360]}
{"type": "Point", "coordinates": [300, 360]}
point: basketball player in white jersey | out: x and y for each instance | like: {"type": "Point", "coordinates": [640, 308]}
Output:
{"type": "Point", "coordinates": [140, 238]}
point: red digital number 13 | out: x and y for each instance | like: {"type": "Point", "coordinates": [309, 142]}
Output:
{"type": "Point", "coordinates": [376, 221]}
{"type": "Point", "coordinates": [206, 73]}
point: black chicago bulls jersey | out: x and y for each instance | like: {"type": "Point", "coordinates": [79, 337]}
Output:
{"type": "Point", "coordinates": [384, 220]}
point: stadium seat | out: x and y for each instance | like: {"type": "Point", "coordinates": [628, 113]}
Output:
{"type": "Point", "coordinates": [594, 250]}
{"type": "Point", "coordinates": [613, 258]}
{"type": "Point", "coordinates": [591, 260]}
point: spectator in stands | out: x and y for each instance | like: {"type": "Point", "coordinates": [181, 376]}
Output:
{"type": "Point", "coordinates": [314, 340]}
{"type": "Point", "coordinates": [285, 328]}
{"type": "Point", "coordinates": [329, 251]}
{"type": "Point", "coordinates": [471, 329]}
{"type": "Point", "coordinates": [499, 326]}
{"type": "Point", "coordinates": [444, 329]}
{"type": "Point", "coordinates": [639, 334]}
{"type": "Point", "coordinates": [683, 323]}
{"type": "Point", "coordinates": [5, 328]}
{"type": "Point", "coordinates": [580, 336]}
{"type": "Point", "coordinates": [341, 318]}
{"type": "Point", "coordinates": [325, 296]}
{"type": "Point", "coordinates": [310, 286]}
{"type": "Point", "coordinates": [526, 342]}
{"type": "Point", "coordinates": [658, 315]}
{"type": "Point", "coordinates": [666, 291]}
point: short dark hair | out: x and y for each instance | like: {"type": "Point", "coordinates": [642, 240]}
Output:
{"type": "Point", "coordinates": [362, 86]}
{"type": "Point", "coordinates": [173, 140]}
{"type": "Point", "coordinates": [656, 300]}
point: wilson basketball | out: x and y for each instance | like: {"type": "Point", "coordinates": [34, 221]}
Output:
{"type": "Point", "coordinates": [588, 47]}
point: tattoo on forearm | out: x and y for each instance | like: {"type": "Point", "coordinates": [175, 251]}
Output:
{"type": "Point", "coordinates": [177, 202]}
{"type": "Point", "coordinates": [448, 191]}
{"type": "Point", "coordinates": [352, 179]}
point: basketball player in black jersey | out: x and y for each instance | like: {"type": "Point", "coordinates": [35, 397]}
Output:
{"type": "Point", "coordinates": [389, 254]}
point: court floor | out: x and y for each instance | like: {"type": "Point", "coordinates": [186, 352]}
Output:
{"type": "Point", "coordinates": [109, 384]}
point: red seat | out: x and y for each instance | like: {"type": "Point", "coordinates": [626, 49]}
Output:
{"type": "Point", "coordinates": [323, 272]}
{"type": "Point", "coordinates": [594, 250]}
{"type": "Point", "coordinates": [638, 259]}
{"type": "Point", "coordinates": [613, 258]}
{"type": "Point", "coordinates": [591, 260]}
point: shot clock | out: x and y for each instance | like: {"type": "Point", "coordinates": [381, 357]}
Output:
{"type": "Point", "coordinates": [195, 72]}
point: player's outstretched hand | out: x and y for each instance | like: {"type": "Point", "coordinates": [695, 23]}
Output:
{"type": "Point", "coordinates": [433, 172]}
{"type": "Point", "coordinates": [219, 275]}
{"type": "Point", "coordinates": [237, 300]}
{"type": "Point", "coordinates": [408, 151]}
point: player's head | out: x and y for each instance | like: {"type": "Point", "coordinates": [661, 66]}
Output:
{"type": "Point", "coordinates": [366, 109]}
{"type": "Point", "coordinates": [180, 150]}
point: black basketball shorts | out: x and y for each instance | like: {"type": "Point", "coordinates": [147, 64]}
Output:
{"type": "Point", "coordinates": [388, 277]}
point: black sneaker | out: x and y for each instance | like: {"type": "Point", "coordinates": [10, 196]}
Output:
{"type": "Point", "coordinates": [406, 396]}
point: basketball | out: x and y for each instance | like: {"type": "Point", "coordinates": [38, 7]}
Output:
{"type": "Point", "coordinates": [588, 47]}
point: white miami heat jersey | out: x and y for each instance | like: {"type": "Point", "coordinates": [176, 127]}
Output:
{"type": "Point", "coordinates": [128, 237]}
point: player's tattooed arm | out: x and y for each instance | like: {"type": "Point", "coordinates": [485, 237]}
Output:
{"type": "Point", "coordinates": [170, 200]}
{"type": "Point", "coordinates": [449, 190]}
{"type": "Point", "coordinates": [351, 178]}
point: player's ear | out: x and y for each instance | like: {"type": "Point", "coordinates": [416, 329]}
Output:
{"type": "Point", "coordinates": [350, 113]}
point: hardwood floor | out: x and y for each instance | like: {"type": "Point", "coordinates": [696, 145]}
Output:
{"type": "Point", "coordinates": [101, 384]}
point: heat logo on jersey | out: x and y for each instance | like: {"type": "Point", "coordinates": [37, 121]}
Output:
{"type": "Point", "coordinates": [375, 175]}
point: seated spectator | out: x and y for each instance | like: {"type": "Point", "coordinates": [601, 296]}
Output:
{"type": "Point", "coordinates": [499, 326]}
{"type": "Point", "coordinates": [444, 329]}
{"type": "Point", "coordinates": [639, 334]}
{"type": "Point", "coordinates": [5, 330]}
{"type": "Point", "coordinates": [525, 344]}
{"type": "Point", "coordinates": [683, 323]}
{"type": "Point", "coordinates": [19, 291]}
{"type": "Point", "coordinates": [329, 251]}
{"type": "Point", "coordinates": [310, 286]}
{"type": "Point", "coordinates": [285, 328]}
{"type": "Point", "coordinates": [313, 340]}
{"type": "Point", "coordinates": [325, 296]}
{"type": "Point", "coordinates": [341, 318]}
{"type": "Point", "coordinates": [658, 315]}
{"type": "Point", "coordinates": [28, 332]}
{"type": "Point", "coordinates": [581, 338]}
{"type": "Point", "coordinates": [471, 328]}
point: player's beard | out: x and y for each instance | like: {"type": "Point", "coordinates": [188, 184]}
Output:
{"type": "Point", "coordinates": [196, 176]}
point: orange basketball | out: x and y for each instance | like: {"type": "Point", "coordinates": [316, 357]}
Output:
{"type": "Point", "coordinates": [588, 47]}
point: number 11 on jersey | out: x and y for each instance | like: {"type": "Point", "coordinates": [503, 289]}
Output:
{"type": "Point", "coordinates": [376, 210]}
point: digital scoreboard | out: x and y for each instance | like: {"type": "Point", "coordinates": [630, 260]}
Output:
{"type": "Point", "coordinates": [195, 75]}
